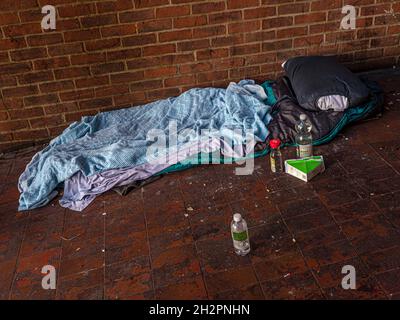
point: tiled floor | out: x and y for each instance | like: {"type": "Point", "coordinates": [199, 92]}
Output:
{"type": "Point", "coordinates": [171, 239]}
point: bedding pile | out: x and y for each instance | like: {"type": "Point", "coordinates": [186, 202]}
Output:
{"type": "Point", "coordinates": [111, 149]}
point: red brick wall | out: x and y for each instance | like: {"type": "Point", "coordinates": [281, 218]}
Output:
{"type": "Point", "coordinates": [114, 53]}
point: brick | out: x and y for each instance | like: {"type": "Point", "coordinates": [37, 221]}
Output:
{"type": "Point", "coordinates": [92, 82]}
{"type": "Point", "coordinates": [65, 49]}
{"type": "Point", "coordinates": [293, 8]}
{"type": "Point", "coordinates": [77, 95]}
{"type": "Point", "coordinates": [310, 18]}
{"type": "Point", "coordinates": [228, 41]}
{"type": "Point", "coordinates": [208, 7]}
{"type": "Point", "coordinates": [154, 25]}
{"type": "Point", "coordinates": [111, 90]}
{"type": "Point", "coordinates": [98, 20]}
{"type": "Point", "coordinates": [146, 85]}
{"type": "Point", "coordinates": [14, 43]}
{"type": "Point", "coordinates": [160, 72]}
{"type": "Point", "coordinates": [191, 21]}
{"type": "Point", "coordinates": [7, 81]}
{"type": "Point", "coordinates": [244, 27]}
{"type": "Point", "coordinates": [139, 40]}
{"type": "Point", "coordinates": [322, 5]}
{"type": "Point", "coordinates": [225, 17]}
{"type": "Point", "coordinates": [170, 36]}
{"type": "Point", "coordinates": [211, 76]}
{"type": "Point", "coordinates": [150, 3]}
{"type": "Point", "coordinates": [260, 36]}
{"type": "Point", "coordinates": [8, 18]}
{"type": "Point", "coordinates": [162, 94]}
{"type": "Point", "coordinates": [119, 30]}
{"type": "Point", "coordinates": [44, 39]}
{"type": "Point", "coordinates": [130, 99]}
{"type": "Point", "coordinates": [71, 72]}
{"type": "Point", "coordinates": [30, 15]}
{"type": "Point", "coordinates": [107, 68]}
{"type": "Point", "coordinates": [277, 22]}
{"type": "Point", "coordinates": [4, 57]}
{"type": "Point", "coordinates": [245, 49]}
{"type": "Point", "coordinates": [51, 63]}
{"type": "Point", "coordinates": [173, 11]}
{"type": "Point", "coordinates": [28, 54]}
{"type": "Point", "coordinates": [238, 4]}
{"type": "Point", "coordinates": [42, 76]}
{"type": "Point", "coordinates": [193, 68]}
{"type": "Point", "coordinates": [259, 13]}
{"type": "Point", "coordinates": [20, 91]}
{"type": "Point", "coordinates": [41, 100]}
{"type": "Point", "coordinates": [137, 15]}
{"type": "Point", "coordinates": [102, 44]}
{"type": "Point", "coordinates": [178, 81]}
{"type": "Point", "coordinates": [61, 108]}
{"type": "Point", "coordinates": [46, 121]}
{"type": "Point", "coordinates": [31, 134]}
{"type": "Point", "coordinates": [81, 35]}
{"type": "Point", "coordinates": [88, 58]}
{"type": "Point", "coordinates": [127, 77]}
{"type": "Point", "coordinates": [193, 45]}
{"type": "Point", "coordinates": [95, 103]}
{"type": "Point", "coordinates": [22, 29]}
{"type": "Point", "coordinates": [308, 41]}
{"type": "Point", "coordinates": [15, 68]}
{"type": "Point", "coordinates": [76, 10]}
{"type": "Point", "coordinates": [26, 113]}
{"type": "Point", "coordinates": [56, 86]}
{"type": "Point", "coordinates": [209, 31]}
{"type": "Point", "coordinates": [11, 103]}
{"type": "Point", "coordinates": [13, 125]}
{"type": "Point", "coordinates": [159, 49]}
{"type": "Point", "coordinates": [291, 32]}
{"type": "Point", "coordinates": [68, 24]}
{"type": "Point", "coordinates": [208, 54]}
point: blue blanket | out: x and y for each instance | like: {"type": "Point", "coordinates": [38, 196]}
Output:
{"type": "Point", "coordinates": [119, 139]}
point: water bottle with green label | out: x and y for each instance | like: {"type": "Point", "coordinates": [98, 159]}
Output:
{"type": "Point", "coordinates": [304, 138]}
{"type": "Point", "coordinates": [240, 235]}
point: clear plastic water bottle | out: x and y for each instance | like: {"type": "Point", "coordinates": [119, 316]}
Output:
{"type": "Point", "coordinates": [240, 235]}
{"type": "Point", "coordinates": [304, 138]}
{"type": "Point", "coordinates": [276, 156]}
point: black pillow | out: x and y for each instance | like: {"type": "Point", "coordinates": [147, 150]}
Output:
{"type": "Point", "coordinates": [315, 77]}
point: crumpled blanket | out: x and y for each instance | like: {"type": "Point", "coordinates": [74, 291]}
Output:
{"type": "Point", "coordinates": [119, 139]}
{"type": "Point", "coordinates": [81, 190]}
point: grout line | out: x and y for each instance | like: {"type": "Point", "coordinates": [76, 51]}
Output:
{"type": "Point", "coordinates": [104, 248]}
{"type": "Point", "coordinates": [148, 244]}
{"type": "Point", "coordinates": [194, 242]}
{"type": "Point", "coordinates": [384, 160]}
{"type": "Point", "coordinates": [18, 258]}
{"type": "Point", "coordinates": [61, 251]}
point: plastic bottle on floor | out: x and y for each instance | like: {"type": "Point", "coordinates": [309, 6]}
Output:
{"type": "Point", "coordinates": [240, 235]}
{"type": "Point", "coordinates": [304, 138]}
{"type": "Point", "coordinates": [276, 156]}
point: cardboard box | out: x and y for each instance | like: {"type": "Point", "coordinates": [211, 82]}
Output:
{"type": "Point", "coordinates": [305, 169]}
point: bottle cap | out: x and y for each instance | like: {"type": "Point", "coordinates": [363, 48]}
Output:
{"type": "Point", "coordinates": [303, 117]}
{"type": "Point", "coordinates": [274, 143]}
{"type": "Point", "coordinates": [237, 217]}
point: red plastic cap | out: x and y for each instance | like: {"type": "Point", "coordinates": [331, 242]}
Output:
{"type": "Point", "coordinates": [275, 143]}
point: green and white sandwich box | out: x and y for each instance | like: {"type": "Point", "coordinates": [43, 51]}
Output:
{"type": "Point", "coordinates": [306, 168]}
